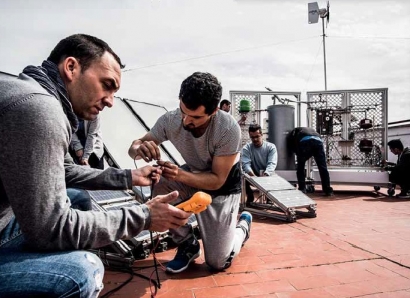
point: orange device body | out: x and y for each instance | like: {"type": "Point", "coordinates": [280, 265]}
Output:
{"type": "Point", "coordinates": [197, 203]}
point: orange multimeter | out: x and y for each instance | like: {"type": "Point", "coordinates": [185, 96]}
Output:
{"type": "Point", "coordinates": [197, 203]}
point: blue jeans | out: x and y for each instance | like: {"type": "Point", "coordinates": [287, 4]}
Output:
{"type": "Point", "coordinates": [307, 149]}
{"type": "Point", "coordinates": [80, 199]}
{"type": "Point", "coordinates": [28, 273]}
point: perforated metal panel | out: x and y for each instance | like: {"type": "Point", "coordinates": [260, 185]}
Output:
{"type": "Point", "coordinates": [259, 101]}
{"type": "Point", "coordinates": [353, 124]}
{"type": "Point", "coordinates": [245, 119]}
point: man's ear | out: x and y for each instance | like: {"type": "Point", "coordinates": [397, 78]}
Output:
{"type": "Point", "coordinates": [70, 68]}
{"type": "Point", "coordinates": [214, 112]}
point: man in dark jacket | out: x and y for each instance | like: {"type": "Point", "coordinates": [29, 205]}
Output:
{"type": "Point", "coordinates": [400, 172]}
{"type": "Point", "coordinates": [306, 143]}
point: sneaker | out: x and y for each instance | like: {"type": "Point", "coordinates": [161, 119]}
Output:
{"type": "Point", "coordinates": [187, 252]}
{"type": "Point", "coordinates": [329, 192]}
{"type": "Point", "coordinates": [244, 222]}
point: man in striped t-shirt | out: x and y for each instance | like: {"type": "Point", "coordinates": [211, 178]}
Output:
{"type": "Point", "coordinates": [209, 141]}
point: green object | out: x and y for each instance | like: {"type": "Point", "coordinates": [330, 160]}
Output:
{"type": "Point", "coordinates": [244, 106]}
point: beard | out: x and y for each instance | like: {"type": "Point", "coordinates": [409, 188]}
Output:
{"type": "Point", "coordinates": [257, 144]}
{"type": "Point", "coordinates": [189, 127]}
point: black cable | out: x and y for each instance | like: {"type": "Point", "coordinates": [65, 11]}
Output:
{"type": "Point", "coordinates": [158, 285]}
{"type": "Point", "coordinates": [132, 274]}
{"type": "Point", "coordinates": [155, 260]}
{"type": "Point", "coordinates": [109, 293]}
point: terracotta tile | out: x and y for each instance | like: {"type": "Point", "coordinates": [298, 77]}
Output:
{"type": "Point", "coordinates": [391, 284]}
{"type": "Point", "coordinates": [312, 293]}
{"type": "Point", "coordinates": [235, 279]}
{"type": "Point", "coordinates": [267, 288]}
{"type": "Point", "coordinates": [353, 289]}
{"type": "Point", "coordinates": [269, 275]}
{"type": "Point", "coordinates": [402, 259]}
{"type": "Point", "coordinates": [354, 247]}
{"type": "Point", "coordinates": [189, 284]}
{"type": "Point", "coordinates": [220, 292]}
{"type": "Point", "coordinates": [172, 294]}
{"type": "Point", "coordinates": [312, 282]}
{"type": "Point", "coordinates": [394, 294]}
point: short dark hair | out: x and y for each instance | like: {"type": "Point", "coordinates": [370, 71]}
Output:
{"type": "Point", "coordinates": [85, 48]}
{"type": "Point", "coordinates": [201, 89]}
{"type": "Point", "coordinates": [224, 102]}
{"type": "Point", "coordinates": [255, 128]}
{"type": "Point", "coordinates": [396, 143]}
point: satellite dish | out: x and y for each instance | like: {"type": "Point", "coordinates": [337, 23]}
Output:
{"type": "Point", "coordinates": [314, 12]}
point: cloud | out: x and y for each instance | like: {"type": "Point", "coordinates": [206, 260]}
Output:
{"type": "Point", "coordinates": [247, 44]}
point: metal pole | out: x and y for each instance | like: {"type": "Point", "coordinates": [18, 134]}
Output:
{"type": "Point", "coordinates": [324, 50]}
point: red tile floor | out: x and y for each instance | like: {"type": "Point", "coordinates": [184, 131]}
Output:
{"type": "Point", "coordinates": [357, 246]}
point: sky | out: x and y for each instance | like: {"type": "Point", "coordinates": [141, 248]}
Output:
{"type": "Point", "coordinates": [246, 44]}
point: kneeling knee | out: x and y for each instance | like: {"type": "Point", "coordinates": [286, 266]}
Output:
{"type": "Point", "coordinates": [220, 264]}
{"type": "Point", "coordinates": [217, 266]}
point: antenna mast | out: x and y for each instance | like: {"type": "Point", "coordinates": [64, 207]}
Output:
{"type": "Point", "coordinates": [313, 16]}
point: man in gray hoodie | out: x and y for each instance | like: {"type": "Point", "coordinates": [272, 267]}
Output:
{"type": "Point", "coordinates": [41, 235]}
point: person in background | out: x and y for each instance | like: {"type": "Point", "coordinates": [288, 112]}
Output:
{"type": "Point", "coordinates": [87, 146]}
{"type": "Point", "coordinates": [209, 141]}
{"type": "Point", "coordinates": [43, 240]}
{"type": "Point", "coordinates": [225, 105]}
{"type": "Point", "coordinates": [258, 158]}
{"type": "Point", "coordinates": [400, 172]}
{"type": "Point", "coordinates": [305, 142]}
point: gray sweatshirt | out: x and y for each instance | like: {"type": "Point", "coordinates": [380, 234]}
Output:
{"type": "Point", "coordinates": [34, 138]}
{"type": "Point", "coordinates": [264, 158]}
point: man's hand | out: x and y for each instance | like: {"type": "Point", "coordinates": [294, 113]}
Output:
{"type": "Point", "coordinates": [169, 170]}
{"type": "Point", "coordinates": [146, 175]}
{"type": "Point", "coordinates": [79, 153]}
{"type": "Point", "coordinates": [147, 150]}
{"type": "Point", "coordinates": [84, 162]}
{"type": "Point", "coordinates": [165, 216]}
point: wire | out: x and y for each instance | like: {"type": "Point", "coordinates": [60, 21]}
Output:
{"type": "Point", "coordinates": [217, 54]}
{"type": "Point", "coordinates": [314, 63]}
{"type": "Point", "coordinates": [155, 266]}
{"type": "Point", "coordinates": [130, 278]}
{"type": "Point", "coordinates": [157, 283]}
{"type": "Point", "coordinates": [371, 37]}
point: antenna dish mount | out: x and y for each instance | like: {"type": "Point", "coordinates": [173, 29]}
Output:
{"type": "Point", "coordinates": [314, 12]}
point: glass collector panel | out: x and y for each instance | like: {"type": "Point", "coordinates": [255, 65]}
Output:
{"type": "Point", "coordinates": [150, 114]}
{"type": "Point", "coordinates": [119, 128]}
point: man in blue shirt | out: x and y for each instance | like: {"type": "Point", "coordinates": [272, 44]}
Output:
{"type": "Point", "coordinates": [259, 158]}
